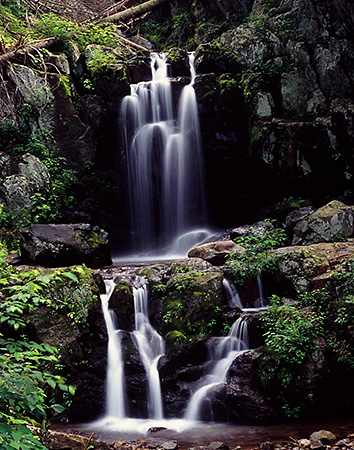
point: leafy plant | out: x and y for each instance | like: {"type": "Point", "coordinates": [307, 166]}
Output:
{"type": "Point", "coordinates": [256, 257]}
{"type": "Point", "coordinates": [290, 334]}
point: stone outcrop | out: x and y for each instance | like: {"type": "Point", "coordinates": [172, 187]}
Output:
{"type": "Point", "coordinates": [20, 179]}
{"type": "Point", "coordinates": [64, 245]}
{"type": "Point", "coordinates": [333, 221]}
{"type": "Point", "coordinates": [312, 266]}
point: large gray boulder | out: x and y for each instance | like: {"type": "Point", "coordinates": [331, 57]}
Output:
{"type": "Point", "coordinates": [20, 178]}
{"type": "Point", "coordinates": [65, 245]}
{"type": "Point", "coordinates": [331, 222]}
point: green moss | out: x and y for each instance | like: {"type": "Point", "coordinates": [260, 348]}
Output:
{"type": "Point", "coordinates": [65, 82]}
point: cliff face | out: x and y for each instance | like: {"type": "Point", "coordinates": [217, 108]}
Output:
{"type": "Point", "coordinates": [283, 114]}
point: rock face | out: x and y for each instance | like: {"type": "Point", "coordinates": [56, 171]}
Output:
{"type": "Point", "coordinates": [334, 220]}
{"type": "Point", "coordinates": [65, 245]}
{"type": "Point", "coordinates": [311, 267]}
{"type": "Point", "coordinates": [21, 178]}
{"type": "Point", "coordinates": [290, 125]}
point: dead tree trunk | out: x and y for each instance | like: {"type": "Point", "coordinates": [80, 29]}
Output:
{"type": "Point", "coordinates": [135, 11]}
{"type": "Point", "coordinates": [30, 48]}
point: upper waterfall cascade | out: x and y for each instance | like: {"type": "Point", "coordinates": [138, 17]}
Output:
{"type": "Point", "coordinates": [165, 164]}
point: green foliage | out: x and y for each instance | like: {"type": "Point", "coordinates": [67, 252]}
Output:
{"type": "Point", "coordinates": [290, 334]}
{"type": "Point", "coordinates": [175, 32]}
{"type": "Point", "coordinates": [227, 83]}
{"type": "Point", "coordinates": [18, 437]}
{"type": "Point", "coordinates": [101, 62]}
{"type": "Point", "coordinates": [256, 258]}
{"type": "Point", "coordinates": [49, 25]}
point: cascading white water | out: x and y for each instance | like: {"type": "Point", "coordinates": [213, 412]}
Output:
{"type": "Point", "coordinates": [232, 294]}
{"type": "Point", "coordinates": [230, 348]}
{"type": "Point", "coordinates": [151, 347]}
{"type": "Point", "coordinates": [165, 164]}
{"type": "Point", "coordinates": [115, 388]}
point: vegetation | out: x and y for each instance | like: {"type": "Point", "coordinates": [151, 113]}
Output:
{"type": "Point", "coordinates": [257, 243]}
{"type": "Point", "coordinates": [32, 379]}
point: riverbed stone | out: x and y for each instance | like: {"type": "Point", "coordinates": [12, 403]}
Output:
{"type": "Point", "coordinates": [323, 436]}
{"type": "Point", "coordinates": [216, 252]}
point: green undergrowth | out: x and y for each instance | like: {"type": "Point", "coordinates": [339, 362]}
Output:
{"type": "Point", "coordinates": [31, 373]}
{"type": "Point", "coordinates": [308, 335]}
{"type": "Point", "coordinates": [256, 257]}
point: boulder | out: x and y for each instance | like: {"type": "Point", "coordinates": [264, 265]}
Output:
{"type": "Point", "coordinates": [65, 245]}
{"type": "Point", "coordinates": [331, 222]}
{"type": "Point", "coordinates": [323, 437]}
{"type": "Point", "coordinates": [215, 252]}
{"type": "Point", "coordinates": [311, 267]}
{"type": "Point", "coordinates": [23, 177]}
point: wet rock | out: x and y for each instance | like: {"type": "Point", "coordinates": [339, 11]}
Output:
{"type": "Point", "coordinates": [65, 245]}
{"type": "Point", "coordinates": [334, 220]}
{"type": "Point", "coordinates": [215, 252]}
{"type": "Point", "coordinates": [216, 445]}
{"type": "Point", "coordinates": [266, 445]}
{"type": "Point", "coordinates": [294, 217]}
{"type": "Point", "coordinates": [31, 86]}
{"type": "Point", "coordinates": [304, 443]}
{"type": "Point", "coordinates": [310, 267]}
{"type": "Point", "coordinates": [323, 436]}
{"type": "Point", "coordinates": [169, 445]}
{"type": "Point", "coordinates": [179, 62]}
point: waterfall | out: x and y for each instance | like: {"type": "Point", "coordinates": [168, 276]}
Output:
{"type": "Point", "coordinates": [151, 347]}
{"type": "Point", "coordinates": [165, 164]}
{"type": "Point", "coordinates": [115, 386]}
{"type": "Point", "coordinates": [230, 348]}
{"type": "Point", "coordinates": [234, 300]}
{"type": "Point", "coordinates": [232, 294]}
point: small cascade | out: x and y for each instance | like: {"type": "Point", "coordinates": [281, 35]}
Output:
{"type": "Point", "coordinates": [232, 294]}
{"type": "Point", "coordinates": [230, 348]}
{"type": "Point", "coordinates": [151, 347]}
{"type": "Point", "coordinates": [165, 164]}
{"type": "Point", "coordinates": [260, 303]}
{"type": "Point", "coordinates": [115, 386]}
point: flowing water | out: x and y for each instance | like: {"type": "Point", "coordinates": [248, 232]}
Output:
{"type": "Point", "coordinates": [229, 349]}
{"type": "Point", "coordinates": [165, 165]}
{"type": "Point", "coordinates": [115, 386]}
{"type": "Point", "coordinates": [151, 347]}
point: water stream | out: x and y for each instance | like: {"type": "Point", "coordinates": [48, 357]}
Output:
{"type": "Point", "coordinates": [151, 347]}
{"type": "Point", "coordinates": [165, 165]}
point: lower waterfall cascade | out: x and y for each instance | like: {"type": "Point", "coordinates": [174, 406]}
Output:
{"type": "Point", "coordinates": [150, 346]}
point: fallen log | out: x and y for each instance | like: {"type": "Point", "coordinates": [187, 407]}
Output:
{"type": "Point", "coordinates": [134, 11]}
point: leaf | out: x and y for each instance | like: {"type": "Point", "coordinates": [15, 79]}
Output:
{"type": "Point", "coordinates": [51, 383]}
{"type": "Point", "coordinates": [72, 276]}
{"type": "Point", "coordinates": [58, 408]}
